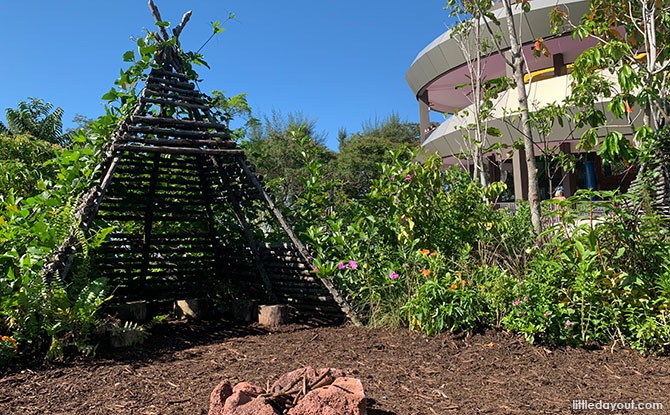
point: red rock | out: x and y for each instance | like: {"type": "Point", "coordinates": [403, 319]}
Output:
{"type": "Point", "coordinates": [218, 397]}
{"type": "Point", "coordinates": [249, 389]}
{"type": "Point", "coordinates": [345, 396]}
{"type": "Point", "coordinates": [312, 375]}
{"type": "Point", "coordinates": [235, 401]}
{"type": "Point", "coordinates": [240, 403]}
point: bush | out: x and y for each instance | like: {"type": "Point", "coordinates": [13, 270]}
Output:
{"type": "Point", "coordinates": [47, 317]}
{"type": "Point", "coordinates": [23, 163]}
{"type": "Point", "coordinates": [598, 281]}
{"type": "Point", "coordinates": [413, 208]}
{"type": "Point", "coordinates": [425, 250]}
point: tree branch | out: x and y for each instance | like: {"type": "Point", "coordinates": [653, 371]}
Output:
{"type": "Point", "coordinates": [157, 17]}
{"type": "Point", "coordinates": [177, 30]}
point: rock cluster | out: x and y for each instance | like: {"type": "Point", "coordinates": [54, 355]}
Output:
{"type": "Point", "coordinates": [304, 391]}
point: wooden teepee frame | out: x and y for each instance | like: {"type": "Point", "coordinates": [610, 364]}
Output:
{"type": "Point", "coordinates": [178, 189]}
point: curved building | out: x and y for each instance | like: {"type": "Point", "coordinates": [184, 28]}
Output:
{"type": "Point", "coordinates": [437, 78]}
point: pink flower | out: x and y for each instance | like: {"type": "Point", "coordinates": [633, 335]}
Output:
{"type": "Point", "coordinates": [341, 265]}
{"type": "Point", "coordinates": [568, 323]}
{"type": "Point", "coordinates": [408, 178]}
{"type": "Point", "coordinates": [353, 264]}
{"type": "Point", "coordinates": [394, 275]}
{"type": "Point", "coordinates": [516, 303]}
{"type": "Point", "coordinates": [520, 282]}
{"type": "Point", "coordinates": [315, 268]}
{"type": "Point", "coordinates": [525, 299]}
{"type": "Point", "coordinates": [393, 177]}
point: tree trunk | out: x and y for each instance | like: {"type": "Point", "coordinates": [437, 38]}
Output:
{"type": "Point", "coordinates": [517, 63]}
{"type": "Point", "coordinates": [272, 315]}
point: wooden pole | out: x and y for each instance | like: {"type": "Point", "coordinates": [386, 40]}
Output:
{"type": "Point", "coordinates": [157, 17]}
{"type": "Point", "coordinates": [177, 30]}
{"type": "Point", "coordinates": [346, 308]}
{"type": "Point", "coordinates": [241, 219]}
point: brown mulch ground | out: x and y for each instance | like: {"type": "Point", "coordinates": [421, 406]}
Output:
{"type": "Point", "coordinates": [402, 372]}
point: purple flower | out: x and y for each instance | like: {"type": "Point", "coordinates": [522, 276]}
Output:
{"type": "Point", "coordinates": [408, 178]}
{"type": "Point", "coordinates": [393, 177]}
{"type": "Point", "coordinates": [568, 323]}
{"type": "Point", "coordinates": [516, 303]}
{"type": "Point", "coordinates": [394, 275]}
{"type": "Point", "coordinates": [353, 264]}
{"type": "Point", "coordinates": [341, 265]}
{"type": "Point", "coordinates": [546, 313]}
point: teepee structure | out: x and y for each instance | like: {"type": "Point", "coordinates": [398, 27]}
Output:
{"type": "Point", "coordinates": [191, 219]}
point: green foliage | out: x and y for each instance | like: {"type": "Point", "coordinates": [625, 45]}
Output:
{"type": "Point", "coordinates": [357, 164]}
{"type": "Point", "coordinates": [23, 163]}
{"type": "Point", "coordinates": [444, 300]}
{"type": "Point", "coordinates": [598, 280]}
{"type": "Point", "coordinates": [628, 66]}
{"type": "Point", "coordinates": [411, 207]}
{"type": "Point", "coordinates": [234, 108]}
{"type": "Point", "coordinates": [38, 119]}
{"type": "Point", "coordinates": [47, 318]}
{"type": "Point", "coordinates": [278, 148]}
{"type": "Point", "coordinates": [423, 250]}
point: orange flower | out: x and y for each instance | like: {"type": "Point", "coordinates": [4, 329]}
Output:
{"type": "Point", "coordinates": [425, 272]}
{"type": "Point", "coordinates": [433, 253]}
{"type": "Point", "coordinates": [627, 107]}
{"type": "Point", "coordinates": [9, 339]}
{"type": "Point", "coordinates": [453, 287]}
{"type": "Point", "coordinates": [424, 251]}
{"type": "Point", "coordinates": [463, 283]}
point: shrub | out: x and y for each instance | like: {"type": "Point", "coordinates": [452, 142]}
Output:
{"type": "Point", "coordinates": [46, 317]}
{"type": "Point", "coordinates": [598, 280]}
{"type": "Point", "coordinates": [424, 249]}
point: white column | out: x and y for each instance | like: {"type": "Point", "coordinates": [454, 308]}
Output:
{"type": "Point", "coordinates": [424, 120]}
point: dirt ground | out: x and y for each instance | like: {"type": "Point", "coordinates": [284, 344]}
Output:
{"type": "Point", "coordinates": [403, 373]}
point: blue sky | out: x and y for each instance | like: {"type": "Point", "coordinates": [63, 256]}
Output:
{"type": "Point", "coordinates": [341, 63]}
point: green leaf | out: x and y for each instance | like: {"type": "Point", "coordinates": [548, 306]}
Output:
{"type": "Point", "coordinates": [163, 24]}
{"type": "Point", "coordinates": [493, 132]}
{"type": "Point", "coordinates": [129, 56]}
{"type": "Point", "coordinates": [111, 95]}
{"type": "Point", "coordinates": [216, 27]}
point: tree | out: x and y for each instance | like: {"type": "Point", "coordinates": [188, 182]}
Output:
{"type": "Point", "coordinates": [630, 66]}
{"type": "Point", "coordinates": [516, 62]}
{"type": "Point", "coordinates": [273, 148]}
{"type": "Point", "coordinates": [234, 108]}
{"type": "Point", "coordinates": [468, 34]}
{"type": "Point", "coordinates": [480, 11]}
{"type": "Point", "coordinates": [38, 119]}
{"type": "Point", "coordinates": [22, 163]}
{"type": "Point", "coordinates": [357, 164]}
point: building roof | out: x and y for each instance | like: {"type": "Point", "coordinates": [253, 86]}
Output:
{"type": "Point", "coordinates": [441, 66]}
